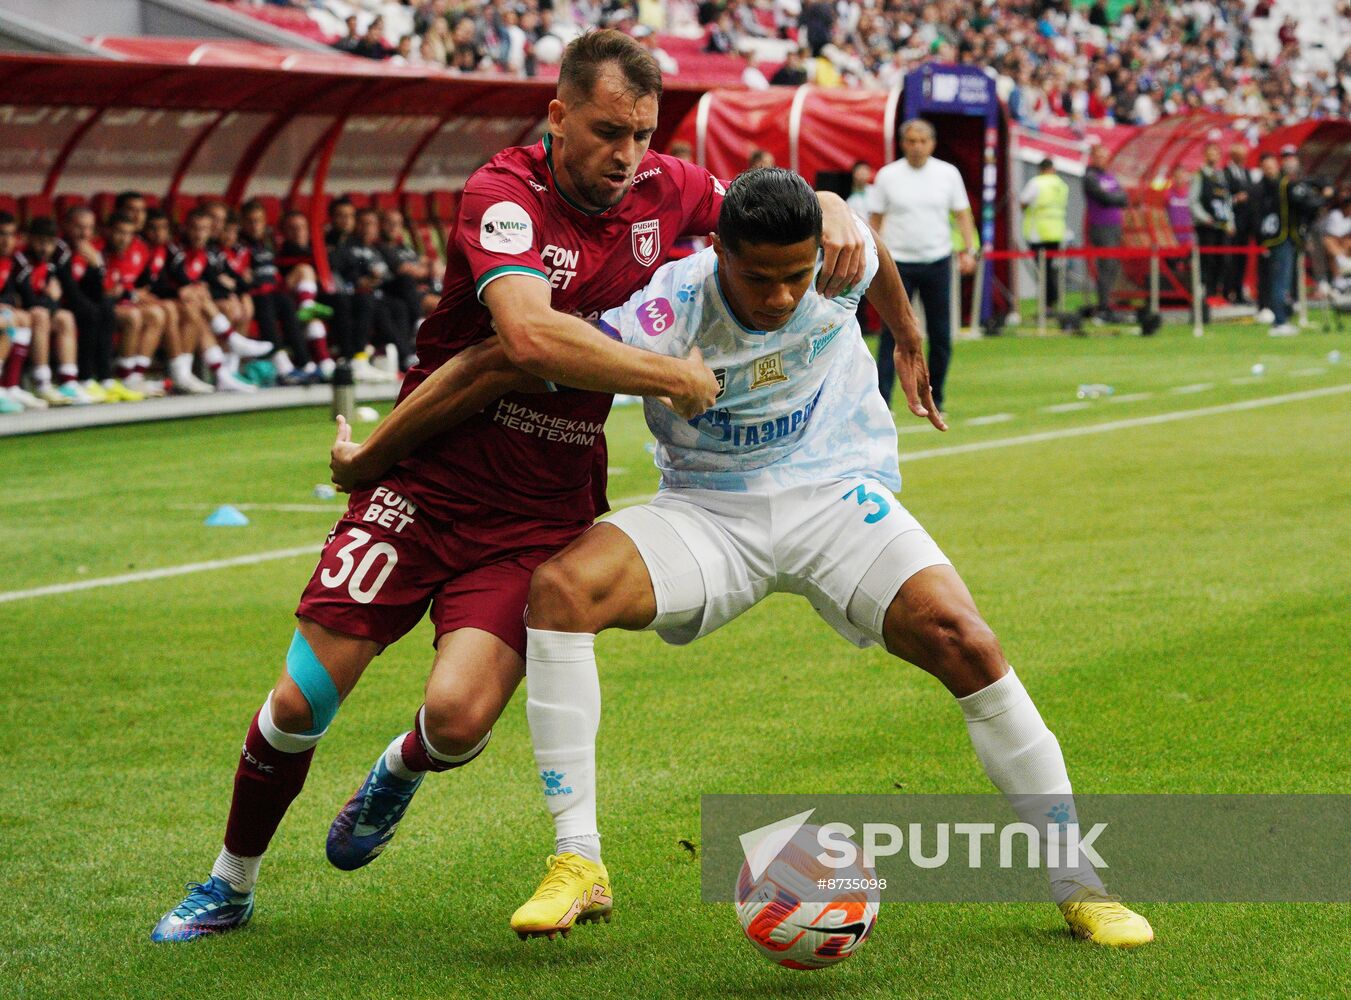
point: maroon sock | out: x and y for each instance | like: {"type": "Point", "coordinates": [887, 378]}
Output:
{"type": "Point", "coordinates": [414, 751]}
{"type": "Point", "coordinates": [266, 782]}
{"type": "Point", "coordinates": [18, 357]}
{"type": "Point", "coordinates": [318, 348]}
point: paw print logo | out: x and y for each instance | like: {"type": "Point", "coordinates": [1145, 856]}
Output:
{"type": "Point", "coordinates": [687, 292]}
{"type": "Point", "coordinates": [552, 779]}
{"type": "Point", "coordinates": [1060, 813]}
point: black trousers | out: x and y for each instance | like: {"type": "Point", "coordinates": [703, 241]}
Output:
{"type": "Point", "coordinates": [95, 323]}
{"type": "Point", "coordinates": [1212, 265]}
{"type": "Point", "coordinates": [1106, 237]}
{"type": "Point", "coordinates": [1236, 265]}
{"type": "Point", "coordinates": [1052, 274]}
{"type": "Point", "coordinates": [275, 313]}
{"type": "Point", "coordinates": [349, 330]}
{"type": "Point", "coordinates": [932, 284]}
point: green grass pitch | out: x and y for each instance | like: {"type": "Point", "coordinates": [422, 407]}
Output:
{"type": "Point", "coordinates": [1173, 593]}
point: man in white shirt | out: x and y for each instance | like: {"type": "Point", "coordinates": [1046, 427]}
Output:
{"type": "Point", "coordinates": [911, 204]}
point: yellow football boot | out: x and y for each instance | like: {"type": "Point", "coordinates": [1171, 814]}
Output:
{"type": "Point", "coordinates": [95, 392]}
{"type": "Point", "coordinates": [1105, 920]}
{"type": "Point", "coordinates": [117, 392]}
{"type": "Point", "coordinates": [574, 891]}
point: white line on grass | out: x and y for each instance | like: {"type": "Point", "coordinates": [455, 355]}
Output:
{"type": "Point", "coordinates": [1065, 407]}
{"type": "Point", "coordinates": [1309, 371]}
{"type": "Point", "coordinates": [284, 508]}
{"type": "Point", "coordinates": [1131, 397]}
{"type": "Point", "coordinates": [1119, 425]}
{"type": "Point", "coordinates": [993, 418]}
{"type": "Point", "coordinates": [158, 574]}
{"type": "Point", "coordinates": [1182, 390]}
{"type": "Point", "coordinates": [959, 449]}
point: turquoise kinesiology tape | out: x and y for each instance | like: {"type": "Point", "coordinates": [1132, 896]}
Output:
{"type": "Point", "coordinates": [314, 683]}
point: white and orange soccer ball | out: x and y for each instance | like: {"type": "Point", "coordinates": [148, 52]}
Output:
{"type": "Point", "coordinates": [792, 914]}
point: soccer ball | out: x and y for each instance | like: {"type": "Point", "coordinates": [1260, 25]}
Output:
{"type": "Point", "coordinates": [795, 922]}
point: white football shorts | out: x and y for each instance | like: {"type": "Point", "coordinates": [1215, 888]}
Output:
{"type": "Point", "coordinates": [846, 545]}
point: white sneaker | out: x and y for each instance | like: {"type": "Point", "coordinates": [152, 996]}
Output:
{"type": "Point", "coordinates": [225, 382]}
{"type": "Point", "coordinates": [26, 399]}
{"type": "Point", "coordinates": [1265, 316]}
{"type": "Point", "coordinates": [246, 347]}
{"type": "Point", "coordinates": [149, 388]}
{"type": "Point", "coordinates": [326, 368]}
{"type": "Point", "coordinates": [191, 385]}
{"type": "Point", "coordinates": [363, 371]}
{"type": "Point", "coordinates": [52, 396]}
{"type": "Point", "coordinates": [1284, 330]}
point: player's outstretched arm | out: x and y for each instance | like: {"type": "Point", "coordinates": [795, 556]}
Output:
{"type": "Point", "coordinates": [844, 254]}
{"type": "Point", "coordinates": [458, 389]}
{"type": "Point", "coordinates": [888, 296]}
{"type": "Point", "coordinates": [571, 352]}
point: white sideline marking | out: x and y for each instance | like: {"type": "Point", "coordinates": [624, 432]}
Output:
{"type": "Point", "coordinates": [993, 418]}
{"type": "Point", "coordinates": [1131, 397]}
{"type": "Point", "coordinates": [285, 508]}
{"type": "Point", "coordinates": [1119, 425]}
{"type": "Point", "coordinates": [158, 574]}
{"type": "Point", "coordinates": [959, 449]}
{"type": "Point", "coordinates": [1309, 371]}
{"type": "Point", "coordinates": [1196, 387]}
{"type": "Point", "coordinates": [1246, 379]}
{"type": "Point", "coordinates": [1065, 407]}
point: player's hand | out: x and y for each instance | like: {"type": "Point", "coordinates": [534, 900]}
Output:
{"type": "Point", "coordinates": [966, 262]}
{"type": "Point", "coordinates": [845, 252]}
{"type": "Point", "coordinates": [345, 460]}
{"type": "Point", "coordinates": [914, 376]}
{"type": "Point", "coordinates": [702, 389]}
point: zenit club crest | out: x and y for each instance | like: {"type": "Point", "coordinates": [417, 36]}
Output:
{"type": "Point", "coordinates": [769, 370]}
{"type": "Point", "coordinates": [721, 375]}
{"type": "Point", "coordinates": [646, 239]}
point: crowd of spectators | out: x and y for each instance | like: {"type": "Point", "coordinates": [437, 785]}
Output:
{"type": "Point", "coordinates": [131, 306]}
{"type": "Point", "coordinates": [1055, 61]}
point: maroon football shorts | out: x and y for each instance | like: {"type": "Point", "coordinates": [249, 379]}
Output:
{"type": "Point", "coordinates": [386, 560]}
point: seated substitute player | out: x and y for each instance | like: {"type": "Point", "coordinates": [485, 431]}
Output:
{"type": "Point", "coordinates": [799, 437]}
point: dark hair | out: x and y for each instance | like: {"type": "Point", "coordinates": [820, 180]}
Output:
{"type": "Point", "coordinates": [586, 54]}
{"type": "Point", "coordinates": [200, 212]}
{"type": "Point", "coordinates": [154, 215]}
{"type": "Point", "coordinates": [338, 203]}
{"type": "Point", "coordinates": [769, 205]}
{"type": "Point", "coordinates": [231, 217]}
{"type": "Point", "coordinates": [42, 225]}
{"type": "Point", "coordinates": [859, 163]}
{"type": "Point", "coordinates": [75, 210]}
{"type": "Point", "coordinates": [121, 219]}
{"type": "Point", "coordinates": [1046, 164]}
{"type": "Point", "coordinates": [120, 202]}
{"type": "Point", "coordinates": [7, 219]}
{"type": "Point", "coordinates": [252, 205]}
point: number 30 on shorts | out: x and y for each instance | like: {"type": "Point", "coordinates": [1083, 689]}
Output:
{"type": "Point", "coordinates": [863, 495]}
{"type": "Point", "coordinates": [355, 573]}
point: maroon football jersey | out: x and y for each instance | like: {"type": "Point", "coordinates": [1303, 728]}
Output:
{"type": "Point", "coordinates": [536, 453]}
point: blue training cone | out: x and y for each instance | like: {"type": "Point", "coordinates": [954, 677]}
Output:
{"type": "Point", "coordinates": [226, 516]}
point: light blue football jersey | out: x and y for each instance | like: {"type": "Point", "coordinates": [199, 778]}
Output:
{"type": "Point", "coordinates": [799, 404]}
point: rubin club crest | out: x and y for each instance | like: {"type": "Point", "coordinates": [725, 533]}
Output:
{"type": "Point", "coordinates": [646, 239]}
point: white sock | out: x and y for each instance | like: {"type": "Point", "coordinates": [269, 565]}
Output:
{"type": "Point", "coordinates": [241, 873]}
{"type": "Point", "coordinates": [68, 373]}
{"type": "Point", "coordinates": [307, 288]}
{"type": "Point", "coordinates": [282, 362]}
{"type": "Point", "coordinates": [587, 845]}
{"type": "Point", "coordinates": [22, 335]}
{"type": "Point", "coordinates": [1023, 759]}
{"type": "Point", "coordinates": [220, 323]}
{"type": "Point", "coordinates": [180, 367]}
{"type": "Point", "coordinates": [394, 760]}
{"type": "Point", "coordinates": [314, 330]}
{"type": "Point", "coordinates": [562, 706]}
{"type": "Point", "coordinates": [42, 376]}
{"type": "Point", "coordinates": [213, 356]}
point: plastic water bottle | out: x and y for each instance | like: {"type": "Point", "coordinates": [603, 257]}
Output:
{"type": "Point", "coordinates": [1094, 390]}
{"type": "Point", "coordinates": [344, 391]}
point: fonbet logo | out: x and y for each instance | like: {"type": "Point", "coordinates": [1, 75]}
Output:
{"type": "Point", "coordinates": [928, 845]}
{"type": "Point", "coordinates": [506, 228]}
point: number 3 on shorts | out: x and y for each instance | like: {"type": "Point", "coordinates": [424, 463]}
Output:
{"type": "Point", "coordinates": [355, 573]}
{"type": "Point", "coordinates": [862, 494]}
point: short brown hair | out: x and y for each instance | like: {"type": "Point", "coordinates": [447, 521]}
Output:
{"type": "Point", "coordinates": [585, 55]}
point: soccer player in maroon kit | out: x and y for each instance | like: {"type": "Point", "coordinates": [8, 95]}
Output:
{"type": "Point", "coordinates": [547, 235]}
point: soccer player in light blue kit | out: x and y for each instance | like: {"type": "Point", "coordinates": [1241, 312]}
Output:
{"type": "Point", "coordinates": [787, 485]}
